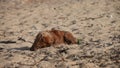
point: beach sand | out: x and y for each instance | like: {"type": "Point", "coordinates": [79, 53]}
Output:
{"type": "Point", "coordinates": [95, 22]}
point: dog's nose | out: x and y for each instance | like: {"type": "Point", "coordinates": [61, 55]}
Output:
{"type": "Point", "coordinates": [32, 49]}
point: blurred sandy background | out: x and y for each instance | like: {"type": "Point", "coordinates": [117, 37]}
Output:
{"type": "Point", "coordinates": [95, 22]}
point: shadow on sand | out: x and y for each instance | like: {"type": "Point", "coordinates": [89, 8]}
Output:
{"type": "Point", "coordinates": [22, 48]}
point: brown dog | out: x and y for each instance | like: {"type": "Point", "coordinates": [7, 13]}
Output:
{"type": "Point", "coordinates": [51, 38]}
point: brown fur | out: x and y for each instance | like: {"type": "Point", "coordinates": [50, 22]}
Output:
{"type": "Point", "coordinates": [52, 38]}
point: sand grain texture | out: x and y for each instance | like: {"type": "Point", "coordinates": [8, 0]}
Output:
{"type": "Point", "coordinates": [95, 22]}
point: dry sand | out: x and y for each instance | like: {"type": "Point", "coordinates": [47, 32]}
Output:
{"type": "Point", "coordinates": [95, 22]}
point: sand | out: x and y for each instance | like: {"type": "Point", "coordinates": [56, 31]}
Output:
{"type": "Point", "coordinates": [95, 22]}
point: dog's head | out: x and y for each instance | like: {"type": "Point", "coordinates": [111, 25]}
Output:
{"type": "Point", "coordinates": [43, 39]}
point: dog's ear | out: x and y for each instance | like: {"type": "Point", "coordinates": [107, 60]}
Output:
{"type": "Point", "coordinates": [69, 38]}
